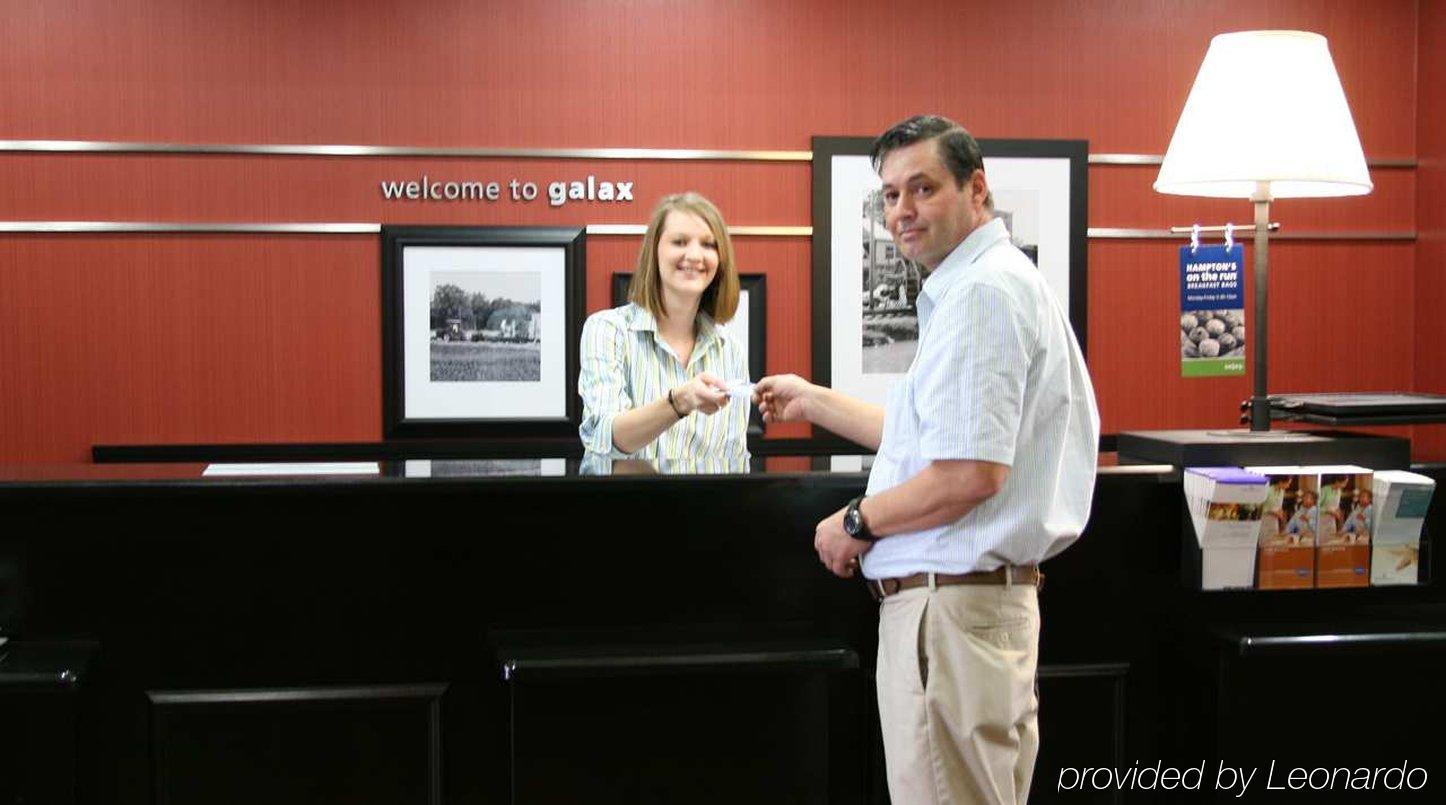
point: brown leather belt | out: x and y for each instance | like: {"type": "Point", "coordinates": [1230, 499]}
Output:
{"type": "Point", "coordinates": [1022, 574]}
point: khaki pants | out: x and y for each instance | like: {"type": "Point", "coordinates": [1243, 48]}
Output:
{"type": "Point", "coordinates": [957, 699]}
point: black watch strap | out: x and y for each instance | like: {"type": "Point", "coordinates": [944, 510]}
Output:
{"type": "Point", "coordinates": [854, 523]}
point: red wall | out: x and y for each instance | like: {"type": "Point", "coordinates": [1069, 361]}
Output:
{"type": "Point", "coordinates": [256, 339]}
{"type": "Point", "coordinates": [1431, 220]}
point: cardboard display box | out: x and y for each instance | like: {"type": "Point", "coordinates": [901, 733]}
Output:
{"type": "Point", "coordinates": [1289, 520]}
{"type": "Point", "coordinates": [1343, 543]}
{"type": "Point", "coordinates": [1225, 507]}
{"type": "Point", "coordinates": [1401, 500]}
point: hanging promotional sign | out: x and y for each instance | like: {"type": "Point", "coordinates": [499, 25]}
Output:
{"type": "Point", "coordinates": [1212, 311]}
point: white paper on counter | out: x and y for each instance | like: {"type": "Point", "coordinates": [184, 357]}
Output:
{"type": "Point", "coordinates": [309, 468]}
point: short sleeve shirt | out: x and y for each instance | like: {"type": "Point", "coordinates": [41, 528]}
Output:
{"type": "Point", "coordinates": [998, 377]}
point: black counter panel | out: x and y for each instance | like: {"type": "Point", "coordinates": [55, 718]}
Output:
{"type": "Point", "coordinates": [345, 639]}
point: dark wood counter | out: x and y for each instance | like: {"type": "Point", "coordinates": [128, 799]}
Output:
{"type": "Point", "coordinates": [343, 638]}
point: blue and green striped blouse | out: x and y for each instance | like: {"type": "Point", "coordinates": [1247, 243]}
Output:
{"type": "Point", "coordinates": [626, 364]}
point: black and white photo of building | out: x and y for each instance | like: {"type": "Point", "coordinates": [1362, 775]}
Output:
{"type": "Point", "coordinates": [891, 283]}
{"type": "Point", "coordinates": [486, 326]}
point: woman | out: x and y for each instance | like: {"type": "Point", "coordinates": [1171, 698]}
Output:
{"type": "Point", "coordinates": [656, 372]}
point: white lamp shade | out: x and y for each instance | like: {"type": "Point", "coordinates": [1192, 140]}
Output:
{"type": "Point", "coordinates": [1267, 106]}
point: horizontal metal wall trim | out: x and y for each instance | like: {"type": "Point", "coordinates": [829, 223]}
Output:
{"type": "Point", "coordinates": [95, 146]}
{"type": "Point", "coordinates": [755, 231]}
{"type": "Point", "coordinates": [225, 228]}
{"type": "Point", "coordinates": [1243, 233]}
{"type": "Point", "coordinates": [173, 228]}
{"type": "Point", "coordinates": [302, 149]}
{"type": "Point", "coordinates": [1157, 159]}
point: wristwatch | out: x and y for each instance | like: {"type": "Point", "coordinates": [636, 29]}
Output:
{"type": "Point", "coordinates": [854, 524]}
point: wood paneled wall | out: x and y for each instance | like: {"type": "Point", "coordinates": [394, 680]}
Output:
{"type": "Point", "coordinates": [1430, 297]}
{"type": "Point", "coordinates": [256, 339]}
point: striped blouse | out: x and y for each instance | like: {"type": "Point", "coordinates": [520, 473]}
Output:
{"type": "Point", "coordinates": [626, 364]}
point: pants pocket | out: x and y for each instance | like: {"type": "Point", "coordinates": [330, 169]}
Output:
{"type": "Point", "coordinates": [902, 660]}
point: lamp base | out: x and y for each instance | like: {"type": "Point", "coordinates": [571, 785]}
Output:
{"type": "Point", "coordinates": [1260, 435]}
{"type": "Point", "coordinates": [1242, 448]}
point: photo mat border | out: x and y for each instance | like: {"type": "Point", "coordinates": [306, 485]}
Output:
{"type": "Point", "coordinates": [395, 424]}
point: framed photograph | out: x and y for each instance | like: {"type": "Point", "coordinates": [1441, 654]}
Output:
{"type": "Point", "coordinates": [480, 329]}
{"type": "Point", "coordinates": [865, 324]}
{"type": "Point", "coordinates": [749, 325]}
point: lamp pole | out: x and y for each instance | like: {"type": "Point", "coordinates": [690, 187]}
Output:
{"type": "Point", "coordinates": [1260, 401]}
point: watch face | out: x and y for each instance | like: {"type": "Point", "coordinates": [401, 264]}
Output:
{"type": "Point", "coordinates": [852, 521]}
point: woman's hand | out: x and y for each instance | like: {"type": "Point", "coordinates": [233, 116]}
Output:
{"type": "Point", "coordinates": [704, 393]}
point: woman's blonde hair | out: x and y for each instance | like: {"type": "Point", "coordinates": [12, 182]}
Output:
{"type": "Point", "coordinates": [720, 298]}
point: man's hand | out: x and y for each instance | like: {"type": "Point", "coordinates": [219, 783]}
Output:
{"type": "Point", "coordinates": [783, 398]}
{"type": "Point", "coordinates": [836, 549]}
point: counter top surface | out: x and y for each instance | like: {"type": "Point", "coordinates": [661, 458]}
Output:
{"type": "Point", "coordinates": [850, 469]}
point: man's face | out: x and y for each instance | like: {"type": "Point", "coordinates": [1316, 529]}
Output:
{"type": "Point", "coordinates": [925, 210]}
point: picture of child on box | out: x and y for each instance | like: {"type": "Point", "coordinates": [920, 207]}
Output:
{"type": "Point", "coordinates": [1357, 528]}
{"type": "Point", "coordinates": [1301, 528]}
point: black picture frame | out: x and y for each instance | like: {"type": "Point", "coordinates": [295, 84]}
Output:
{"type": "Point", "coordinates": [423, 405]}
{"type": "Point", "coordinates": [756, 286]}
{"type": "Point", "coordinates": [1075, 157]}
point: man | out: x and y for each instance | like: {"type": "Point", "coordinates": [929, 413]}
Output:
{"type": "Point", "coordinates": [985, 467]}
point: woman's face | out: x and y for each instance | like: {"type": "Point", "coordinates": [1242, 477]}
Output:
{"type": "Point", "coordinates": [687, 257]}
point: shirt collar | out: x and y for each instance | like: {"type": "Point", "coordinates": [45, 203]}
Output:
{"type": "Point", "coordinates": [640, 319]}
{"type": "Point", "coordinates": [984, 236]}
{"type": "Point", "coordinates": [709, 330]}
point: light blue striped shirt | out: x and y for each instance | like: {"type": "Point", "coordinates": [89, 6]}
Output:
{"type": "Point", "coordinates": [998, 377]}
{"type": "Point", "coordinates": [626, 364]}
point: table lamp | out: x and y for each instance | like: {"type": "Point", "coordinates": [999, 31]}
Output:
{"type": "Point", "coordinates": [1266, 119]}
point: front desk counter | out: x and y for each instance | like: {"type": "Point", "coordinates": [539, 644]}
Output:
{"type": "Point", "coordinates": [520, 631]}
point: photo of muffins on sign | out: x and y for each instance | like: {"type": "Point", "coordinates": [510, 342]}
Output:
{"type": "Point", "coordinates": [1212, 334]}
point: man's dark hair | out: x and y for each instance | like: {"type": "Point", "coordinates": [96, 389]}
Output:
{"type": "Point", "coordinates": [957, 147]}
